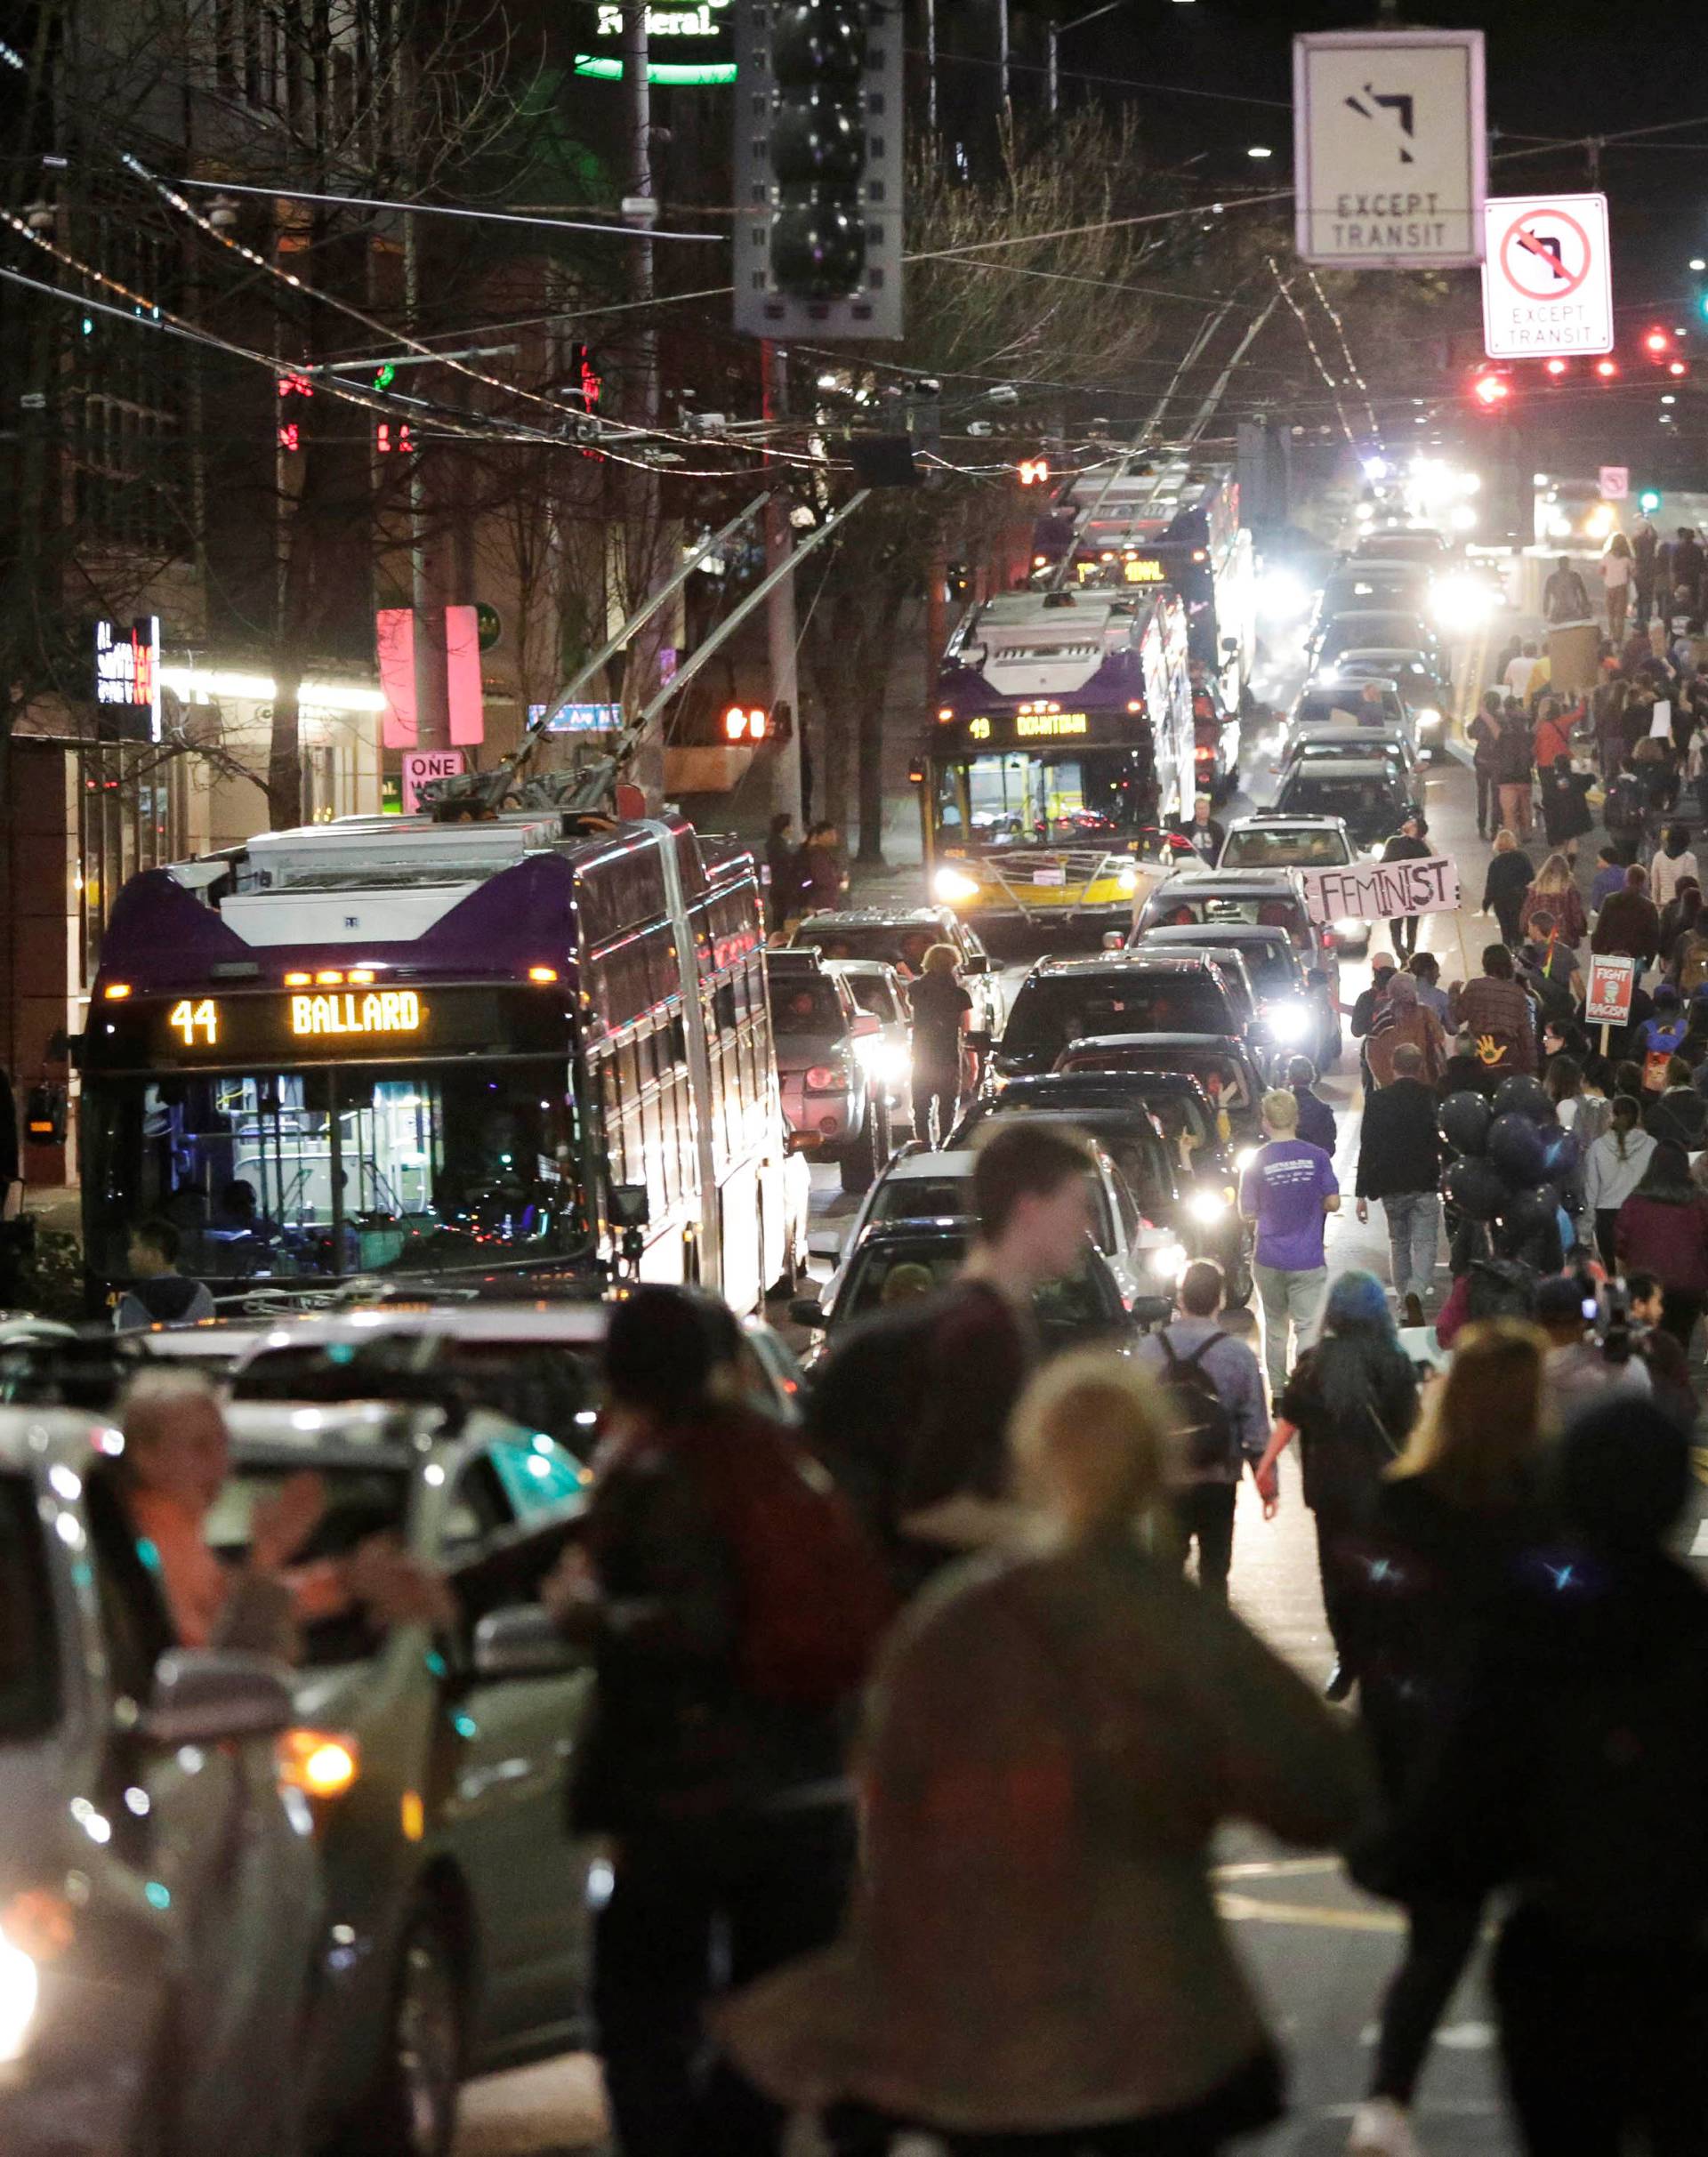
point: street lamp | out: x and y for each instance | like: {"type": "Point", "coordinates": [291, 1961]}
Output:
{"type": "Point", "coordinates": [1053, 35]}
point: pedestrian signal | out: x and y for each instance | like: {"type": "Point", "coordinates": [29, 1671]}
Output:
{"type": "Point", "coordinates": [745, 723]}
{"type": "Point", "coordinates": [1034, 471]}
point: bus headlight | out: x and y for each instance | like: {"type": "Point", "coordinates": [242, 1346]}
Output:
{"type": "Point", "coordinates": [1207, 1207]}
{"type": "Point", "coordinates": [1288, 1022]}
{"type": "Point", "coordinates": [953, 886]}
{"type": "Point", "coordinates": [19, 1990]}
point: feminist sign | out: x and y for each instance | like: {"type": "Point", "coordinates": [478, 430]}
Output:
{"type": "Point", "coordinates": [1381, 891]}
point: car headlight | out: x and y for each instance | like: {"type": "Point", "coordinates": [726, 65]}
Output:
{"type": "Point", "coordinates": [1282, 594]}
{"type": "Point", "coordinates": [1166, 1261]}
{"type": "Point", "coordinates": [1287, 1021]}
{"type": "Point", "coordinates": [1207, 1207]}
{"type": "Point", "coordinates": [1245, 1157]}
{"type": "Point", "coordinates": [1350, 928]}
{"type": "Point", "coordinates": [19, 1988]}
{"type": "Point", "coordinates": [951, 887]}
{"type": "Point", "coordinates": [1428, 716]}
{"type": "Point", "coordinates": [1128, 880]}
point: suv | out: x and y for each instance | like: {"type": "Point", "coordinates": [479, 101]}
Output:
{"type": "Point", "coordinates": [1373, 795]}
{"type": "Point", "coordinates": [888, 1054]}
{"type": "Point", "coordinates": [833, 1106]}
{"type": "Point", "coordinates": [901, 936]}
{"type": "Point", "coordinates": [1271, 898]}
{"type": "Point", "coordinates": [1064, 1000]}
{"type": "Point", "coordinates": [1291, 1015]}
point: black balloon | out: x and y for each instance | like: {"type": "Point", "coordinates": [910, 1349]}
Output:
{"type": "Point", "coordinates": [1464, 1120]}
{"type": "Point", "coordinates": [1562, 1156]}
{"type": "Point", "coordinates": [1475, 1186]}
{"type": "Point", "coordinates": [1515, 1147]}
{"type": "Point", "coordinates": [1527, 1213]}
{"type": "Point", "coordinates": [1522, 1095]}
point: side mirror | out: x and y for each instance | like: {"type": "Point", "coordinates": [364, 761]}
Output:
{"type": "Point", "coordinates": [523, 1642]}
{"type": "Point", "coordinates": [808, 1311]}
{"type": "Point", "coordinates": [1316, 977]}
{"type": "Point", "coordinates": [866, 1024]}
{"type": "Point", "coordinates": [1231, 644]}
{"type": "Point", "coordinates": [630, 1206]}
{"type": "Point", "coordinates": [1114, 940]}
{"type": "Point", "coordinates": [209, 1696]}
{"type": "Point", "coordinates": [979, 963]}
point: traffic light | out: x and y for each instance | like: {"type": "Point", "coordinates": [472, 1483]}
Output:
{"type": "Point", "coordinates": [1491, 389]}
{"type": "Point", "coordinates": [818, 168]}
{"type": "Point", "coordinates": [1032, 471]}
{"type": "Point", "coordinates": [1658, 344]}
{"type": "Point", "coordinates": [1607, 370]}
{"type": "Point", "coordinates": [745, 723]}
{"type": "Point", "coordinates": [1556, 370]}
{"type": "Point", "coordinates": [384, 376]}
{"type": "Point", "coordinates": [1649, 501]}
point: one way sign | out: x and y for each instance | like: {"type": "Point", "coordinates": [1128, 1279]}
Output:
{"type": "Point", "coordinates": [1389, 153]}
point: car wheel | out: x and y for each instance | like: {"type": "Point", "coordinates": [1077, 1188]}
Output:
{"type": "Point", "coordinates": [1237, 1289]}
{"type": "Point", "coordinates": [411, 2110]}
{"type": "Point", "coordinates": [859, 1162]}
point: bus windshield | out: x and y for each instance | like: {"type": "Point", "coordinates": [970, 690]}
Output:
{"type": "Point", "coordinates": [1027, 799]}
{"type": "Point", "coordinates": [275, 1175]}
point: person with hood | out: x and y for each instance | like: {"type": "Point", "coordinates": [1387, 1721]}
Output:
{"type": "Point", "coordinates": [1033, 1960]}
{"type": "Point", "coordinates": [1553, 889]}
{"type": "Point", "coordinates": [1351, 1403]}
{"type": "Point", "coordinates": [1316, 1117]}
{"type": "Point", "coordinates": [157, 1293]}
{"type": "Point", "coordinates": [1565, 597]}
{"type": "Point", "coordinates": [1673, 862]}
{"type": "Point", "coordinates": [1659, 1037]}
{"type": "Point", "coordinates": [1403, 1022]}
{"type": "Point", "coordinates": [1566, 812]}
{"type": "Point", "coordinates": [1408, 843]}
{"type": "Point", "coordinates": [1625, 810]}
{"type": "Point", "coordinates": [1510, 874]}
{"type": "Point", "coordinates": [1645, 549]}
{"type": "Point", "coordinates": [1629, 923]}
{"type": "Point", "coordinates": [1483, 735]}
{"type": "Point", "coordinates": [1455, 1525]}
{"type": "Point", "coordinates": [1574, 1768]}
{"type": "Point", "coordinates": [1609, 877]}
{"type": "Point", "coordinates": [1515, 766]}
{"type": "Point", "coordinates": [1662, 1229]}
{"type": "Point", "coordinates": [1679, 1113]}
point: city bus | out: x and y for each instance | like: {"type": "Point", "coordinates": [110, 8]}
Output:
{"type": "Point", "coordinates": [1177, 525]}
{"type": "Point", "coordinates": [1063, 735]}
{"type": "Point", "coordinates": [538, 1045]}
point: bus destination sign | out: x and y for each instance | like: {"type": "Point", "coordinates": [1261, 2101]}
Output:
{"type": "Point", "coordinates": [199, 1022]}
{"type": "Point", "coordinates": [1029, 725]}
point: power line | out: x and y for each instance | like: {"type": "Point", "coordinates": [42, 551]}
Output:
{"type": "Point", "coordinates": [441, 209]}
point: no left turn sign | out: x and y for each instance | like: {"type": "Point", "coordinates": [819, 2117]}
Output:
{"type": "Point", "coordinates": [1547, 285]}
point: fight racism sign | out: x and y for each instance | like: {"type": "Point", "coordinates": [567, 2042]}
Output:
{"type": "Point", "coordinates": [1381, 891]}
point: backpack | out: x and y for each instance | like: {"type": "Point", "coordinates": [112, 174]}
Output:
{"type": "Point", "coordinates": [1626, 805]}
{"type": "Point", "coordinates": [813, 1598]}
{"type": "Point", "coordinates": [1200, 1414]}
{"type": "Point", "coordinates": [1501, 1288]}
{"type": "Point", "coordinates": [1660, 1043]}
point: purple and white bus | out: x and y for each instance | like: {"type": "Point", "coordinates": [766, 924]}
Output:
{"type": "Point", "coordinates": [440, 1052]}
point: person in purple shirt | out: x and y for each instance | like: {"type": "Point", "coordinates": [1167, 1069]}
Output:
{"type": "Point", "coordinates": [1286, 1191]}
{"type": "Point", "coordinates": [1609, 878]}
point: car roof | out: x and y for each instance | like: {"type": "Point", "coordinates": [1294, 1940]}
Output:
{"type": "Point", "coordinates": [877, 917]}
{"type": "Point", "coordinates": [1209, 934]}
{"type": "Point", "coordinates": [1221, 1041]}
{"type": "Point", "coordinates": [881, 967]}
{"type": "Point", "coordinates": [804, 959]}
{"type": "Point", "coordinates": [1268, 817]}
{"type": "Point", "coordinates": [1350, 767]}
{"type": "Point", "coordinates": [1089, 964]}
{"type": "Point", "coordinates": [1373, 613]}
{"type": "Point", "coordinates": [1382, 651]}
{"type": "Point", "coordinates": [1126, 1082]}
{"type": "Point", "coordinates": [1235, 883]}
{"type": "Point", "coordinates": [566, 1325]}
{"type": "Point", "coordinates": [913, 1168]}
{"type": "Point", "coordinates": [33, 1436]}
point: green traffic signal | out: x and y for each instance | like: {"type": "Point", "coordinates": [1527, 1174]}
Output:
{"type": "Point", "coordinates": [386, 375]}
{"type": "Point", "coordinates": [1649, 502]}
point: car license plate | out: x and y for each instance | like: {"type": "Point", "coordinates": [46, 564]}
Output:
{"type": "Point", "coordinates": [1057, 876]}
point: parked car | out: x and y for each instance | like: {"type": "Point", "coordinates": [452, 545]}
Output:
{"type": "Point", "coordinates": [1372, 796]}
{"type": "Point", "coordinates": [1292, 1014]}
{"type": "Point", "coordinates": [1063, 998]}
{"type": "Point", "coordinates": [835, 1109]}
{"type": "Point", "coordinates": [900, 936]}
{"type": "Point", "coordinates": [888, 1054]}
{"type": "Point", "coordinates": [1195, 1203]}
{"type": "Point", "coordinates": [1271, 897]}
{"type": "Point", "coordinates": [160, 1897]}
{"type": "Point", "coordinates": [1221, 1064]}
{"type": "Point", "coordinates": [1086, 1310]}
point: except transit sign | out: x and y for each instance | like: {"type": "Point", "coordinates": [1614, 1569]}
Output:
{"type": "Point", "coordinates": [1547, 277]}
{"type": "Point", "coordinates": [1390, 147]}
{"type": "Point", "coordinates": [1381, 891]}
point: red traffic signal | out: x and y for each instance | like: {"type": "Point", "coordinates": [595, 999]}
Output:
{"type": "Point", "coordinates": [745, 723]}
{"type": "Point", "coordinates": [1556, 367]}
{"type": "Point", "coordinates": [1034, 471]}
{"type": "Point", "coordinates": [1678, 368]}
{"type": "Point", "coordinates": [1606, 368]}
{"type": "Point", "coordinates": [1490, 390]}
{"type": "Point", "coordinates": [1656, 344]}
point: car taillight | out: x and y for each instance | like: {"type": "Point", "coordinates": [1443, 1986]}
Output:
{"type": "Point", "coordinates": [320, 1763]}
{"type": "Point", "coordinates": [824, 1078]}
{"type": "Point", "coordinates": [1329, 939]}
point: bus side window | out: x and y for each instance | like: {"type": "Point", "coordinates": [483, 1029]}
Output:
{"type": "Point", "coordinates": [611, 1109]}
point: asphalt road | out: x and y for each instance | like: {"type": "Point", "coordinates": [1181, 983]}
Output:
{"type": "Point", "coordinates": [1319, 1952]}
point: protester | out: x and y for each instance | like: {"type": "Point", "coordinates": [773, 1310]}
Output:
{"type": "Point", "coordinates": [1624, 810]}
{"type": "Point", "coordinates": [1287, 1190]}
{"type": "Point", "coordinates": [1483, 735]}
{"type": "Point", "coordinates": [1682, 925]}
{"type": "Point", "coordinates": [1555, 888]}
{"type": "Point", "coordinates": [1564, 597]}
{"type": "Point", "coordinates": [1509, 878]}
{"type": "Point", "coordinates": [1617, 565]}
{"type": "Point", "coordinates": [1610, 724]}
{"type": "Point", "coordinates": [157, 1293]}
{"type": "Point", "coordinates": [1672, 863]}
{"type": "Point", "coordinates": [1609, 877]}
{"type": "Point", "coordinates": [1220, 1422]}
{"type": "Point", "coordinates": [1316, 1117]}
{"type": "Point", "coordinates": [782, 878]}
{"type": "Point", "coordinates": [911, 1409]}
{"type": "Point", "coordinates": [1656, 1040]}
{"type": "Point", "coordinates": [1202, 830]}
{"type": "Point", "coordinates": [1408, 843]}
{"type": "Point", "coordinates": [942, 1012]}
{"type": "Point", "coordinates": [1579, 1106]}
{"type": "Point", "coordinates": [820, 877]}
{"type": "Point", "coordinates": [1403, 1022]}
{"type": "Point", "coordinates": [1514, 768]}
{"type": "Point", "coordinates": [1577, 1368]}
{"type": "Point", "coordinates": [1551, 737]}
{"type": "Point", "coordinates": [1452, 1531]}
{"type": "Point", "coordinates": [1575, 1768]}
{"type": "Point", "coordinates": [1425, 970]}
{"type": "Point", "coordinates": [714, 1768]}
{"type": "Point", "coordinates": [1547, 969]}
{"type": "Point", "coordinates": [1369, 1003]}
{"type": "Point", "coordinates": [1566, 812]}
{"type": "Point", "coordinates": [1400, 1163]}
{"type": "Point", "coordinates": [1519, 676]}
{"type": "Point", "coordinates": [1496, 1012]}
{"type": "Point", "coordinates": [1663, 1228]}
{"type": "Point", "coordinates": [1034, 1959]}
{"type": "Point", "coordinates": [1351, 1403]}
{"type": "Point", "coordinates": [1629, 923]}
{"type": "Point", "coordinates": [1645, 549]}
{"type": "Point", "coordinates": [1668, 1366]}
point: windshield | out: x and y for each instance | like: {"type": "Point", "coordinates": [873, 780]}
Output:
{"type": "Point", "coordinates": [28, 1656]}
{"type": "Point", "coordinates": [806, 1003]}
{"type": "Point", "coordinates": [1360, 801]}
{"type": "Point", "coordinates": [1283, 846]}
{"type": "Point", "coordinates": [1131, 1140]}
{"type": "Point", "coordinates": [1346, 707]}
{"type": "Point", "coordinates": [1272, 967]}
{"type": "Point", "coordinates": [1222, 1077]}
{"type": "Point", "coordinates": [1048, 1014]}
{"type": "Point", "coordinates": [1174, 910]}
{"type": "Point", "coordinates": [873, 993]}
{"type": "Point", "coordinates": [902, 945]}
{"type": "Point", "coordinates": [1057, 800]}
{"type": "Point", "coordinates": [1351, 630]}
{"type": "Point", "coordinates": [899, 1270]}
{"type": "Point", "coordinates": [1400, 546]}
{"type": "Point", "coordinates": [283, 1175]}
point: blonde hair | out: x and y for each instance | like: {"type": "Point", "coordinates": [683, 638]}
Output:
{"type": "Point", "coordinates": [1505, 841]}
{"type": "Point", "coordinates": [1091, 1440]}
{"type": "Point", "coordinates": [939, 959]}
{"type": "Point", "coordinates": [1481, 1431]}
{"type": "Point", "coordinates": [1281, 1109]}
{"type": "Point", "coordinates": [1555, 874]}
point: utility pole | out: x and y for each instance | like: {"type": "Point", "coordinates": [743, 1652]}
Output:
{"type": "Point", "coordinates": [931, 67]}
{"type": "Point", "coordinates": [426, 545]}
{"type": "Point", "coordinates": [643, 535]}
{"type": "Point", "coordinates": [779, 615]}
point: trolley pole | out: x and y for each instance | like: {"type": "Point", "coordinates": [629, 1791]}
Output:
{"type": "Point", "coordinates": [779, 608]}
